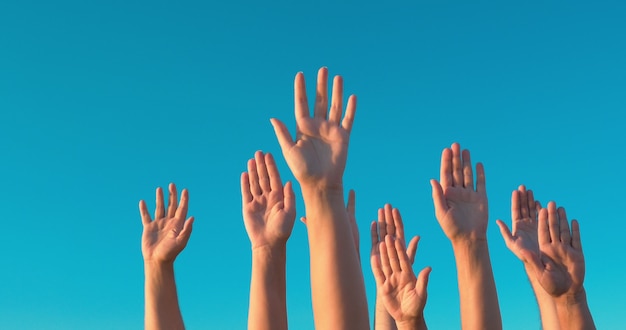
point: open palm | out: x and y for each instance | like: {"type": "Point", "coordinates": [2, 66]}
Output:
{"type": "Point", "coordinates": [165, 237]}
{"type": "Point", "coordinates": [460, 210]}
{"type": "Point", "coordinates": [403, 294]}
{"type": "Point", "coordinates": [318, 156]}
{"type": "Point", "coordinates": [268, 207]}
{"type": "Point", "coordinates": [523, 239]}
{"type": "Point", "coordinates": [560, 268]}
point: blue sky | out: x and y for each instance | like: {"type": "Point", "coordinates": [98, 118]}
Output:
{"type": "Point", "coordinates": [103, 101]}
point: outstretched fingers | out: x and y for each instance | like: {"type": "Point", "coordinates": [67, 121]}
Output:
{"type": "Point", "coordinates": [246, 194]}
{"type": "Point", "coordinates": [468, 174]}
{"type": "Point", "coordinates": [392, 253]}
{"type": "Point", "coordinates": [422, 281]}
{"type": "Point", "coordinates": [348, 118]}
{"type": "Point", "coordinates": [566, 237]}
{"type": "Point", "coordinates": [282, 135]}
{"type": "Point", "coordinates": [576, 242]}
{"type": "Point", "coordinates": [181, 212]}
{"type": "Point", "coordinates": [321, 97]}
{"type": "Point", "coordinates": [301, 105]}
{"type": "Point", "coordinates": [553, 223]}
{"type": "Point", "coordinates": [289, 200]}
{"type": "Point", "coordinates": [506, 233]}
{"type": "Point", "coordinates": [457, 166]}
{"type": "Point", "coordinates": [398, 224]}
{"type": "Point", "coordinates": [439, 200]}
{"type": "Point", "coordinates": [272, 171]}
{"type": "Point", "coordinates": [481, 186]}
{"type": "Point", "coordinates": [173, 200]}
{"type": "Point", "coordinates": [253, 177]}
{"type": "Point", "coordinates": [159, 212]}
{"type": "Point", "coordinates": [145, 214]}
{"type": "Point", "coordinates": [543, 230]}
{"type": "Point", "coordinates": [411, 249]}
{"type": "Point", "coordinates": [445, 170]}
{"type": "Point", "coordinates": [336, 104]}
{"type": "Point", "coordinates": [264, 178]}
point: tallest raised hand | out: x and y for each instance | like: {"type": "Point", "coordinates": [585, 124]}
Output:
{"type": "Point", "coordinates": [318, 155]}
{"type": "Point", "coordinates": [317, 159]}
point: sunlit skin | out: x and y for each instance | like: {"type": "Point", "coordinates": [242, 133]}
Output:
{"type": "Point", "coordinates": [523, 242]}
{"type": "Point", "coordinates": [164, 237]}
{"type": "Point", "coordinates": [317, 159]}
{"type": "Point", "coordinates": [559, 267]}
{"type": "Point", "coordinates": [399, 291]}
{"type": "Point", "coordinates": [269, 213]}
{"type": "Point", "coordinates": [461, 210]}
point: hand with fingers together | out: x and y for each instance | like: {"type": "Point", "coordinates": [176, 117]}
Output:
{"type": "Point", "coordinates": [269, 212]}
{"type": "Point", "coordinates": [389, 223]}
{"type": "Point", "coordinates": [524, 243]}
{"type": "Point", "coordinates": [462, 213]}
{"type": "Point", "coordinates": [403, 294]}
{"type": "Point", "coordinates": [317, 159]}
{"type": "Point", "coordinates": [560, 267]}
{"type": "Point", "coordinates": [162, 240]}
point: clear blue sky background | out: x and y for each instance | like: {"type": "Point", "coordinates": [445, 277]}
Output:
{"type": "Point", "coordinates": [102, 101]}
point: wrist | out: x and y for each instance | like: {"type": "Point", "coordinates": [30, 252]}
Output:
{"type": "Point", "coordinates": [270, 252]}
{"type": "Point", "coordinates": [412, 324]}
{"type": "Point", "coordinates": [571, 299]}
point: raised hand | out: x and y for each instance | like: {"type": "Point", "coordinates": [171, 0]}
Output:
{"type": "Point", "coordinates": [462, 214]}
{"type": "Point", "coordinates": [561, 267]}
{"type": "Point", "coordinates": [318, 155]}
{"type": "Point", "coordinates": [269, 209]}
{"type": "Point", "coordinates": [162, 240]}
{"type": "Point", "coordinates": [389, 223]}
{"type": "Point", "coordinates": [269, 212]}
{"type": "Point", "coordinates": [524, 243]}
{"type": "Point", "coordinates": [523, 240]}
{"type": "Point", "coordinates": [164, 237]}
{"type": "Point", "coordinates": [460, 209]}
{"type": "Point", "coordinates": [403, 294]}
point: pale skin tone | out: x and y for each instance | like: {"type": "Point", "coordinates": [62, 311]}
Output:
{"type": "Point", "coordinates": [164, 237]}
{"type": "Point", "coordinates": [399, 291]}
{"type": "Point", "coordinates": [269, 213]}
{"type": "Point", "coordinates": [560, 267]}
{"type": "Point", "coordinates": [317, 159]}
{"type": "Point", "coordinates": [461, 210]}
{"type": "Point", "coordinates": [524, 242]}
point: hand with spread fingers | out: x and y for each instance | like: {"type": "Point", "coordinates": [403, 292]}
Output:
{"type": "Point", "coordinates": [269, 213]}
{"type": "Point", "coordinates": [560, 267]}
{"type": "Point", "coordinates": [462, 213]}
{"type": "Point", "coordinates": [318, 155]}
{"type": "Point", "coordinates": [389, 223]}
{"type": "Point", "coordinates": [524, 243]}
{"type": "Point", "coordinates": [269, 209]}
{"type": "Point", "coordinates": [460, 209]}
{"type": "Point", "coordinates": [317, 159]}
{"type": "Point", "coordinates": [403, 294]}
{"type": "Point", "coordinates": [167, 235]}
{"type": "Point", "coordinates": [162, 240]}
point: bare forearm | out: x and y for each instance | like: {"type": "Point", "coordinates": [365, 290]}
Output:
{"type": "Point", "coordinates": [477, 289]}
{"type": "Point", "coordinates": [338, 291]}
{"type": "Point", "coordinates": [268, 302]}
{"type": "Point", "coordinates": [161, 305]}
{"type": "Point", "coordinates": [573, 312]}
{"type": "Point", "coordinates": [382, 318]}
{"type": "Point", "coordinates": [547, 309]}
